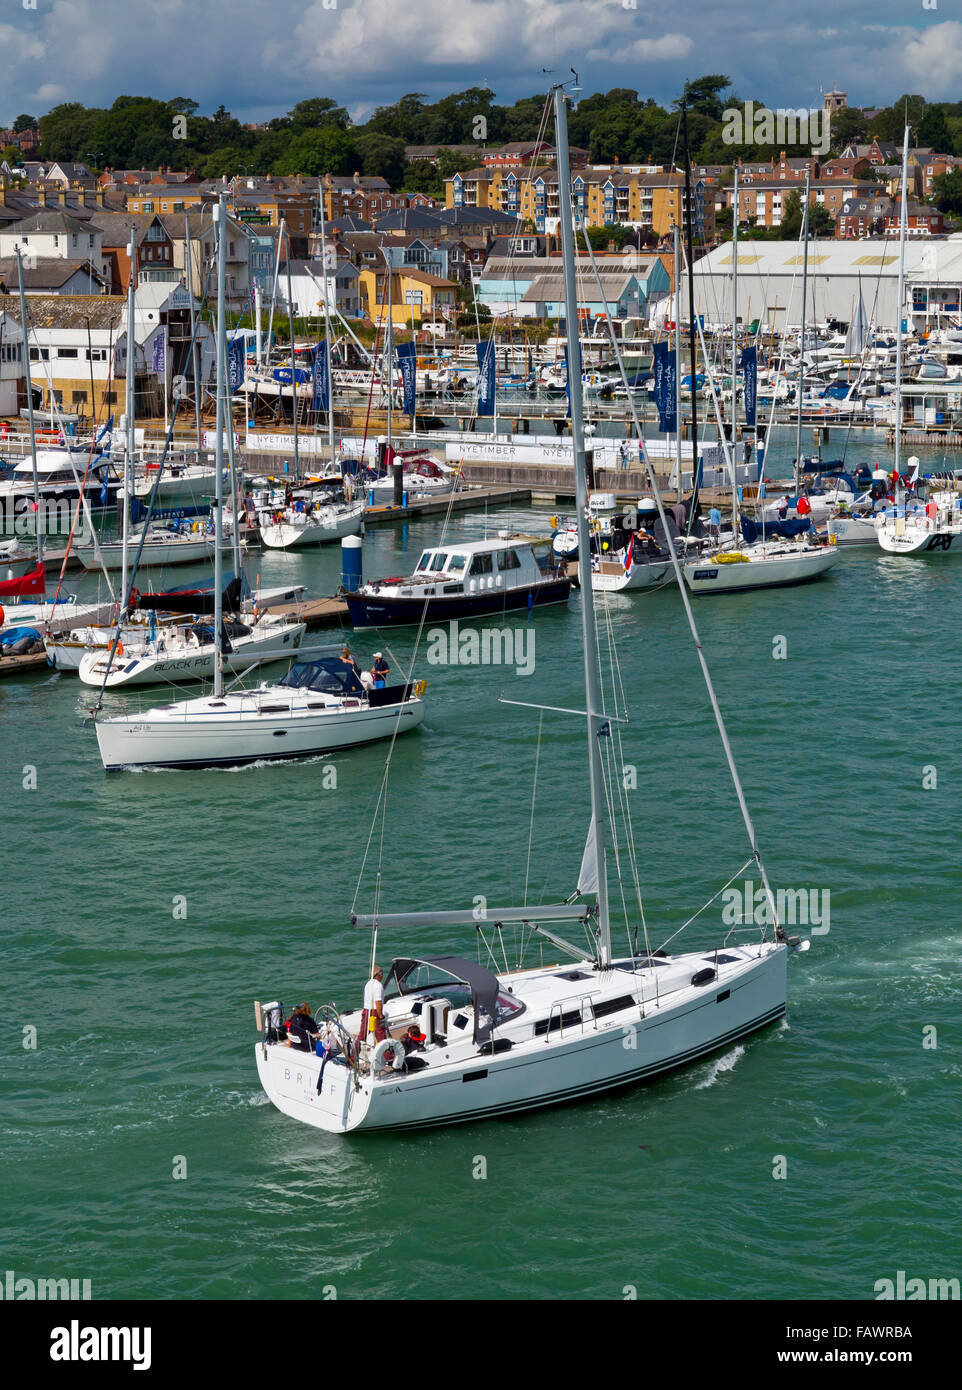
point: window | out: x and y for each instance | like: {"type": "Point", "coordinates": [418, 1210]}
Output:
{"type": "Point", "coordinates": [79, 398]}
{"type": "Point", "coordinates": [39, 354]}
{"type": "Point", "coordinates": [439, 559]}
{"type": "Point", "coordinates": [110, 397]}
{"type": "Point", "coordinates": [457, 563]}
{"type": "Point", "coordinates": [481, 564]}
{"type": "Point", "coordinates": [508, 560]}
{"type": "Point", "coordinates": [96, 354]}
{"type": "Point", "coordinates": [90, 241]}
{"type": "Point", "coordinates": [68, 352]}
{"type": "Point", "coordinates": [425, 561]}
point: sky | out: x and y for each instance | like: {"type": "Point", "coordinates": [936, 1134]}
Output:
{"type": "Point", "coordinates": [258, 58]}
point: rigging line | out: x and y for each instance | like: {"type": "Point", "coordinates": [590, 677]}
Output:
{"type": "Point", "coordinates": [747, 864]}
{"type": "Point", "coordinates": [534, 792]}
{"type": "Point", "coordinates": [686, 601]}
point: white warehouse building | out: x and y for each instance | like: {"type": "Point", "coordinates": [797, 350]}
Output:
{"type": "Point", "coordinates": [770, 283]}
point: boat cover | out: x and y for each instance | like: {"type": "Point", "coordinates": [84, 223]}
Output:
{"type": "Point", "coordinates": [483, 985]}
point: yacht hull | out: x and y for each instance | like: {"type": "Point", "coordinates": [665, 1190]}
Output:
{"type": "Point", "coordinates": [186, 665]}
{"type": "Point", "coordinates": [594, 1058]}
{"type": "Point", "coordinates": [156, 739]}
{"type": "Point", "coordinates": [371, 611]}
{"type": "Point", "coordinates": [708, 577]}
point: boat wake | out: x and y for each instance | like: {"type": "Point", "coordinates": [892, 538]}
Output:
{"type": "Point", "coordinates": [720, 1066]}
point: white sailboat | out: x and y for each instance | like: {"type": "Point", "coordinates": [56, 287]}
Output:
{"type": "Point", "coordinates": [497, 1041]}
{"type": "Point", "coordinates": [318, 707]}
{"type": "Point", "coordinates": [768, 563]}
{"type": "Point", "coordinates": [912, 529]}
{"type": "Point", "coordinates": [310, 525]}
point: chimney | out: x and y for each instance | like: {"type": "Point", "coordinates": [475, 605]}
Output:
{"type": "Point", "coordinates": [42, 195]}
{"type": "Point", "coordinates": [101, 196]}
{"type": "Point", "coordinates": [3, 190]}
{"type": "Point", "coordinates": [62, 197]}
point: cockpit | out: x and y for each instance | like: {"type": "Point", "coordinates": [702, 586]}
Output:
{"type": "Point", "coordinates": [328, 676]}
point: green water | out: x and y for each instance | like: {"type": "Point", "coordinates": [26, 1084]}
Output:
{"type": "Point", "coordinates": [144, 1059]}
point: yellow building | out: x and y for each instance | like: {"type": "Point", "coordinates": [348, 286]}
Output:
{"type": "Point", "coordinates": [414, 295]}
{"type": "Point", "coordinates": [604, 196]}
{"type": "Point", "coordinates": [176, 197]}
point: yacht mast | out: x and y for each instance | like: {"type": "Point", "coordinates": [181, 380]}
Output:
{"type": "Point", "coordinates": [735, 351]}
{"type": "Point", "coordinates": [327, 326]}
{"type": "Point", "coordinates": [801, 350]}
{"type": "Point", "coordinates": [220, 213]}
{"type": "Point", "coordinates": [130, 408]}
{"type": "Point", "coordinates": [25, 349]}
{"type": "Point", "coordinates": [903, 224]}
{"type": "Point", "coordinates": [596, 718]}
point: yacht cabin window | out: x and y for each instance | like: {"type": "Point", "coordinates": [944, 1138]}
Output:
{"type": "Point", "coordinates": [481, 564]}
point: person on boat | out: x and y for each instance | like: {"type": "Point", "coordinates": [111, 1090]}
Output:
{"type": "Point", "coordinates": [413, 1040]}
{"type": "Point", "coordinates": [349, 659]}
{"type": "Point", "coordinates": [372, 1015]}
{"type": "Point", "coordinates": [301, 1029]}
{"type": "Point", "coordinates": [623, 451]}
{"type": "Point", "coordinates": [380, 671]}
{"type": "Point", "coordinates": [714, 524]}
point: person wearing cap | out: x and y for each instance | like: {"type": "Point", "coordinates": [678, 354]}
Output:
{"type": "Point", "coordinates": [372, 1016]}
{"type": "Point", "coordinates": [380, 671]}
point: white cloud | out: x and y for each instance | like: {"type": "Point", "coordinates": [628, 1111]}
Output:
{"type": "Point", "coordinates": [933, 59]}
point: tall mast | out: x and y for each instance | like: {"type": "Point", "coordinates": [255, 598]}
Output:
{"type": "Point", "coordinates": [801, 350]}
{"type": "Point", "coordinates": [25, 349]}
{"type": "Point", "coordinates": [588, 630]}
{"type": "Point", "coordinates": [390, 345]}
{"type": "Point", "coordinates": [734, 348]}
{"type": "Point", "coordinates": [691, 318]}
{"type": "Point", "coordinates": [903, 224]}
{"type": "Point", "coordinates": [327, 327]}
{"type": "Point", "coordinates": [221, 374]}
{"type": "Point", "coordinates": [290, 323]}
{"type": "Point", "coordinates": [130, 408]}
{"type": "Point", "coordinates": [194, 362]}
{"type": "Point", "coordinates": [677, 249]}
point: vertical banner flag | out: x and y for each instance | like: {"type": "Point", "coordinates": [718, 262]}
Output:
{"type": "Point", "coordinates": [749, 364]}
{"type": "Point", "coordinates": [669, 388]}
{"type": "Point", "coordinates": [235, 364]}
{"type": "Point", "coordinates": [160, 353]}
{"type": "Point", "coordinates": [321, 400]}
{"type": "Point", "coordinates": [660, 352]}
{"type": "Point", "coordinates": [407, 356]}
{"type": "Point", "coordinates": [486, 379]}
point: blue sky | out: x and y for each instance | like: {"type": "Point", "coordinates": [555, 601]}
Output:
{"type": "Point", "coordinates": [258, 59]}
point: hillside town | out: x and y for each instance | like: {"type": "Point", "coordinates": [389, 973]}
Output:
{"type": "Point", "coordinates": [486, 250]}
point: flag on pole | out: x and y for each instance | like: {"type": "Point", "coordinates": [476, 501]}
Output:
{"type": "Point", "coordinates": [486, 378]}
{"type": "Point", "coordinates": [321, 398]}
{"type": "Point", "coordinates": [408, 367]}
{"type": "Point", "coordinates": [749, 364]}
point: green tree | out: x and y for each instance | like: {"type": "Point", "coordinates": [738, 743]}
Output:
{"type": "Point", "coordinates": [380, 154]}
{"type": "Point", "coordinates": [328, 150]}
{"type": "Point", "coordinates": [23, 123]}
{"type": "Point", "coordinates": [947, 191]}
{"type": "Point", "coordinates": [704, 95]}
{"type": "Point", "coordinates": [933, 132]}
{"type": "Point", "coordinates": [316, 112]}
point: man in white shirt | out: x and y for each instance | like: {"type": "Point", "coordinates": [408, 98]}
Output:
{"type": "Point", "coordinates": [372, 1019]}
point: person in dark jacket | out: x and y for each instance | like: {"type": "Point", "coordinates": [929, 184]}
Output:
{"type": "Point", "coordinates": [301, 1028]}
{"type": "Point", "coordinates": [380, 671]}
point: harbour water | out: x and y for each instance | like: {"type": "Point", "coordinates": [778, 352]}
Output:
{"type": "Point", "coordinates": [143, 913]}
